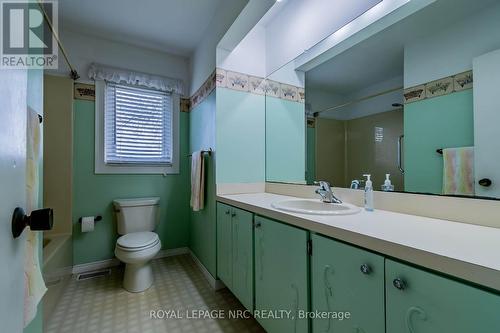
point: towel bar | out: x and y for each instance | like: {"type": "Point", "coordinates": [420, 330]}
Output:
{"type": "Point", "coordinates": [209, 152]}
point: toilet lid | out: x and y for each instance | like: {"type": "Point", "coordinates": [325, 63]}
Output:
{"type": "Point", "coordinates": [137, 239]}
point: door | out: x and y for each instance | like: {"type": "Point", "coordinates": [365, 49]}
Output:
{"type": "Point", "coordinates": [281, 276]}
{"type": "Point", "coordinates": [421, 302]}
{"type": "Point", "coordinates": [486, 69]}
{"type": "Point", "coordinates": [224, 245]}
{"type": "Point", "coordinates": [13, 105]}
{"type": "Point", "coordinates": [242, 287]}
{"type": "Point", "coordinates": [347, 279]}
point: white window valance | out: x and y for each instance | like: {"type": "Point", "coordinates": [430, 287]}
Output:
{"type": "Point", "coordinates": [124, 76]}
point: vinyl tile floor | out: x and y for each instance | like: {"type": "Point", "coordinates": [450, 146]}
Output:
{"type": "Point", "coordinates": [179, 291]}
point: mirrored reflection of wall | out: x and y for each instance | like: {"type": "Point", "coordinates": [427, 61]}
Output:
{"type": "Point", "coordinates": [330, 151]}
{"type": "Point", "coordinates": [347, 149]}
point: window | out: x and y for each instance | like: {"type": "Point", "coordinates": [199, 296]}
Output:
{"type": "Point", "coordinates": [137, 130]}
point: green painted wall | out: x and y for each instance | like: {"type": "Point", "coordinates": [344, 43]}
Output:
{"type": "Point", "coordinates": [203, 223]}
{"type": "Point", "coordinates": [434, 123]}
{"type": "Point", "coordinates": [240, 136]}
{"type": "Point", "coordinates": [285, 140]}
{"type": "Point", "coordinates": [93, 194]}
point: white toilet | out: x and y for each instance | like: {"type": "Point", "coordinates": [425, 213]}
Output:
{"type": "Point", "coordinates": [136, 221]}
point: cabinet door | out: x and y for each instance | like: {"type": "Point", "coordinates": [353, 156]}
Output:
{"type": "Point", "coordinates": [224, 244]}
{"type": "Point", "coordinates": [421, 302]}
{"type": "Point", "coordinates": [486, 70]}
{"type": "Point", "coordinates": [347, 279]}
{"type": "Point", "coordinates": [242, 286]}
{"type": "Point", "coordinates": [281, 271]}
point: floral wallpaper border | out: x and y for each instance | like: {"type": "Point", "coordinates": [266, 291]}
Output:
{"type": "Point", "coordinates": [221, 78]}
{"type": "Point", "coordinates": [259, 85]}
{"type": "Point", "coordinates": [445, 86]}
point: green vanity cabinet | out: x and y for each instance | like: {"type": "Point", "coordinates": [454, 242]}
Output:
{"type": "Point", "coordinates": [242, 287]}
{"type": "Point", "coordinates": [421, 302]}
{"type": "Point", "coordinates": [235, 251]}
{"type": "Point", "coordinates": [281, 276]}
{"type": "Point", "coordinates": [345, 278]}
{"type": "Point", "coordinates": [224, 244]}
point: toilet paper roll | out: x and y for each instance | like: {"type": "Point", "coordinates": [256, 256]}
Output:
{"type": "Point", "coordinates": [88, 223]}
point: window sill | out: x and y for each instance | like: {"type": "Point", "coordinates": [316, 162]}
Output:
{"type": "Point", "coordinates": [136, 169]}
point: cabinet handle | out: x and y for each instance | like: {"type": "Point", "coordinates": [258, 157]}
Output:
{"type": "Point", "coordinates": [409, 317]}
{"type": "Point", "coordinates": [328, 293]}
{"type": "Point", "coordinates": [236, 241]}
{"type": "Point", "coordinates": [233, 214]}
{"type": "Point", "coordinates": [399, 284]}
{"type": "Point", "coordinates": [365, 269]}
{"type": "Point", "coordinates": [261, 257]}
{"type": "Point", "coordinates": [358, 330]}
{"type": "Point", "coordinates": [227, 212]}
{"type": "Point", "coordinates": [257, 224]}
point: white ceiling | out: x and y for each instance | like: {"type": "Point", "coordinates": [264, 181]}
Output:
{"type": "Point", "coordinates": [381, 57]}
{"type": "Point", "coordinates": [174, 26]}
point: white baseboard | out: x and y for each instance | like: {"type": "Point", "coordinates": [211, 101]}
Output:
{"type": "Point", "coordinates": [216, 284]}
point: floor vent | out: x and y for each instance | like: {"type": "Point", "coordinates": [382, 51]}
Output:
{"type": "Point", "coordinates": [92, 275]}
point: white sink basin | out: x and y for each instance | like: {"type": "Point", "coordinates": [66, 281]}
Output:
{"type": "Point", "coordinates": [315, 207]}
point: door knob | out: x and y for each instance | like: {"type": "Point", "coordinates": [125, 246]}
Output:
{"type": "Point", "coordinates": [399, 284]}
{"type": "Point", "coordinates": [40, 219]}
{"type": "Point", "coordinates": [365, 269]}
{"type": "Point", "coordinates": [485, 182]}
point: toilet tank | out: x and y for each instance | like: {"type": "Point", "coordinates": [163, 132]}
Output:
{"type": "Point", "coordinates": [135, 215]}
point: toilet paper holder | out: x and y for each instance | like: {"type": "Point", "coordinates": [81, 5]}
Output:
{"type": "Point", "coordinates": [96, 219]}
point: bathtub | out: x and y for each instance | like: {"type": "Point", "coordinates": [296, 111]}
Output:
{"type": "Point", "coordinates": [57, 265]}
{"type": "Point", "coordinates": [57, 254]}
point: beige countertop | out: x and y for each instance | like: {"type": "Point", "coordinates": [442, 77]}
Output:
{"type": "Point", "coordinates": [466, 251]}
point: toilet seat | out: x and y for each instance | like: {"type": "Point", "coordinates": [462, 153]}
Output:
{"type": "Point", "coordinates": [137, 241]}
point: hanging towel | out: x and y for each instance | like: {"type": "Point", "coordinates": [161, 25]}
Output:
{"type": "Point", "coordinates": [458, 171]}
{"type": "Point", "coordinates": [197, 181]}
{"type": "Point", "coordinates": [34, 285]}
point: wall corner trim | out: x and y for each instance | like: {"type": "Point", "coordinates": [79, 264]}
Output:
{"type": "Point", "coordinates": [216, 284]}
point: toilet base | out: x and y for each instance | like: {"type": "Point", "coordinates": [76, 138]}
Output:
{"type": "Point", "coordinates": [138, 277]}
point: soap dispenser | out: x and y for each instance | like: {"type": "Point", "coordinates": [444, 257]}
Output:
{"type": "Point", "coordinates": [368, 193]}
{"type": "Point", "coordinates": [387, 187]}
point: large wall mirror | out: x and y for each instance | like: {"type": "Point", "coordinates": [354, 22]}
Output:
{"type": "Point", "coordinates": [419, 100]}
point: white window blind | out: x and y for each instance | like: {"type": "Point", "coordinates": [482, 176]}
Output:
{"type": "Point", "coordinates": [137, 125]}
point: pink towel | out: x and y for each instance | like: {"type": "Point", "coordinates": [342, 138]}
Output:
{"type": "Point", "coordinates": [458, 171]}
{"type": "Point", "coordinates": [197, 181]}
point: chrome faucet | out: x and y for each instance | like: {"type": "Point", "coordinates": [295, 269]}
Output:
{"type": "Point", "coordinates": [326, 193]}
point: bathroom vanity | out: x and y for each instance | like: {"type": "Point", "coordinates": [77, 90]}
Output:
{"type": "Point", "coordinates": [390, 272]}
